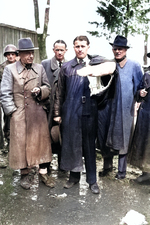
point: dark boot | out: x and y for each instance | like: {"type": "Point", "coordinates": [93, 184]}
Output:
{"type": "Point", "coordinates": [25, 182]}
{"type": "Point", "coordinates": [107, 167]}
{"type": "Point", "coordinates": [144, 177]}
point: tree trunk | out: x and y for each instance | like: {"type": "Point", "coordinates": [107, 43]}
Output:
{"type": "Point", "coordinates": [42, 37]}
{"type": "Point", "coordinates": [145, 49]}
{"type": "Point", "coordinates": [36, 13]}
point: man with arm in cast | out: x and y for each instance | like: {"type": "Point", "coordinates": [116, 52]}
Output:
{"type": "Point", "coordinates": [77, 110]}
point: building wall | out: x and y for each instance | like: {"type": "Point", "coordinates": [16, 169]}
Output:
{"type": "Point", "coordinates": [11, 35]}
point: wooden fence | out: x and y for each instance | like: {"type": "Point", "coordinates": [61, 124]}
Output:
{"type": "Point", "coordinates": [11, 35]}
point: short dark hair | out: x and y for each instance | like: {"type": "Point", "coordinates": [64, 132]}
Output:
{"type": "Point", "coordinates": [60, 42]}
{"type": "Point", "coordinates": [81, 38]}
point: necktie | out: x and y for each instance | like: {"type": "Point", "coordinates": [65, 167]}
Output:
{"type": "Point", "coordinates": [81, 62]}
{"type": "Point", "coordinates": [60, 64]}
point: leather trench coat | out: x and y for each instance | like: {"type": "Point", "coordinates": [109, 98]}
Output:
{"type": "Point", "coordinates": [29, 134]}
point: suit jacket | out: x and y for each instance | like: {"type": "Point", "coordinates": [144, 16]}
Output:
{"type": "Point", "coordinates": [52, 70]}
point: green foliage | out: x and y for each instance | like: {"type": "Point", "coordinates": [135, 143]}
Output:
{"type": "Point", "coordinates": [122, 17]}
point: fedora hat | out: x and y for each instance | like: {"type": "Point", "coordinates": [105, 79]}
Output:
{"type": "Point", "coordinates": [55, 134]}
{"type": "Point", "coordinates": [26, 44]}
{"type": "Point", "coordinates": [120, 41]}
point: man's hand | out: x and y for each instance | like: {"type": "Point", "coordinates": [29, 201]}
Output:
{"type": "Point", "coordinates": [57, 119]}
{"type": "Point", "coordinates": [36, 91]}
{"type": "Point", "coordinates": [143, 93]}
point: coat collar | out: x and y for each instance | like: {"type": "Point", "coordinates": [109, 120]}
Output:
{"type": "Point", "coordinates": [21, 68]}
{"type": "Point", "coordinates": [122, 63]}
{"type": "Point", "coordinates": [54, 64]}
{"type": "Point", "coordinates": [75, 60]}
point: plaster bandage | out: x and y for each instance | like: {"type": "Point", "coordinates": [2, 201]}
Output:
{"type": "Point", "coordinates": [95, 73]}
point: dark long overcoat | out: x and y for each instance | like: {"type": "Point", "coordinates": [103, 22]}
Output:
{"type": "Point", "coordinates": [139, 153]}
{"type": "Point", "coordinates": [29, 133]}
{"type": "Point", "coordinates": [104, 113]}
{"type": "Point", "coordinates": [72, 107]}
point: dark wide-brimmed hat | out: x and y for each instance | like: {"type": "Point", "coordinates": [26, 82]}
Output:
{"type": "Point", "coordinates": [148, 55]}
{"type": "Point", "coordinates": [120, 41]}
{"type": "Point", "coordinates": [26, 44]}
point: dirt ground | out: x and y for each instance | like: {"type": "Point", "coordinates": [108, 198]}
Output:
{"type": "Point", "coordinates": [76, 206]}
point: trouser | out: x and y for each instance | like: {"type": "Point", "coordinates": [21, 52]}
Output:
{"type": "Point", "coordinates": [6, 128]}
{"type": "Point", "coordinates": [108, 162]}
{"type": "Point", "coordinates": [122, 163]}
{"type": "Point", "coordinates": [89, 129]}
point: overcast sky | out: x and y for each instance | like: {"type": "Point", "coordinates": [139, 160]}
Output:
{"type": "Point", "coordinates": [68, 19]}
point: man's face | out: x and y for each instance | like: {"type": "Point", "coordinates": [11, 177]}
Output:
{"type": "Point", "coordinates": [59, 50]}
{"type": "Point", "coordinates": [119, 52]}
{"type": "Point", "coordinates": [11, 57]}
{"type": "Point", "coordinates": [26, 57]}
{"type": "Point", "coordinates": [81, 49]}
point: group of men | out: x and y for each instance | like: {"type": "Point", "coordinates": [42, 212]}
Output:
{"type": "Point", "coordinates": [91, 98]}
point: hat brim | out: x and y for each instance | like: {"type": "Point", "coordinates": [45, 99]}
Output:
{"type": "Point", "coordinates": [16, 52]}
{"type": "Point", "coordinates": [148, 55]}
{"type": "Point", "coordinates": [27, 49]}
{"type": "Point", "coordinates": [119, 45]}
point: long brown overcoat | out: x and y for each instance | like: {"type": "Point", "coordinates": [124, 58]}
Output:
{"type": "Point", "coordinates": [29, 134]}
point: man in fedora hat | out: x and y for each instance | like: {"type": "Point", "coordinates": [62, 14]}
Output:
{"type": "Point", "coordinates": [122, 112]}
{"type": "Point", "coordinates": [10, 52]}
{"type": "Point", "coordinates": [24, 89]}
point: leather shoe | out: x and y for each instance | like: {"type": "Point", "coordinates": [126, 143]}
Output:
{"type": "Point", "coordinates": [120, 176]}
{"type": "Point", "coordinates": [94, 188]}
{"type": "Point", "coordinates": [47, 180]}
{"type": "Point", "coordinates": [70, 184]}
{"type": "Point", "coordinates": [28, 179]}
{"type": "Point", "coordinates": [105, 172]}
{"type": "Point", "coordinates": [144, 177]}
